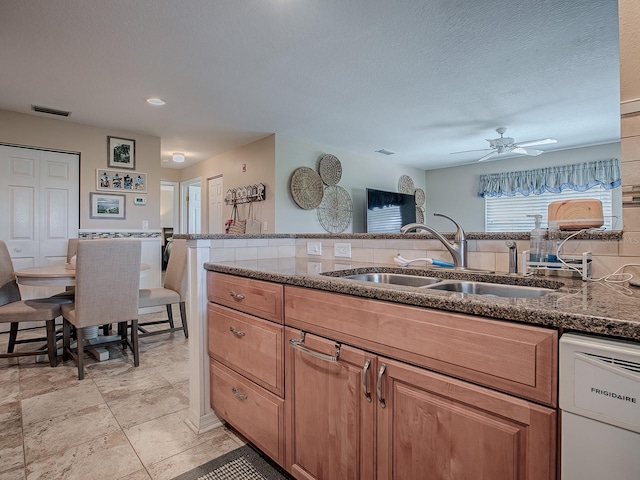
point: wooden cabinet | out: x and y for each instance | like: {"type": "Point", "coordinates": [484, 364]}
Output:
{"type": "Point", "coordinates": [436, 427]}
{"type": "Point", "coordinates": [245, 344]}
{"type": "Point", "coordinates": [330, 420]}
{"type": "Point", "coordinates": [332, 386]}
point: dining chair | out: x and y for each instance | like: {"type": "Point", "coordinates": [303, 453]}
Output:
{"type": "Point", "coordinates": [173, 291]}
{"type": "Point", "coordinates": [107, 284]}
{"type": "Point", "coordinates": [14, 310]}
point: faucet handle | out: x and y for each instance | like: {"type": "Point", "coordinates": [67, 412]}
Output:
{"type": "Point", "coordinates": [460, 236]}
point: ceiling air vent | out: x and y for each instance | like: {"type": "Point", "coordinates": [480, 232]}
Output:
{"type": "Point", "coordinates": [385, 152]}
{"type": "Point", "coordinates": [50, 111]}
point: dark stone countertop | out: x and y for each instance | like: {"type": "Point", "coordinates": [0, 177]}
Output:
{"type": "Point", "coordinates": [590, 307]}
{"type": "Point", "coordinates": [608, 235]}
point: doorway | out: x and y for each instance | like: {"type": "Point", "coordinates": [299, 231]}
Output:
{"type": "Point", "coordinates": [191, 208]}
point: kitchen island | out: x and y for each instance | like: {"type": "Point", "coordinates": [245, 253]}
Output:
{"type": "Point", "coordinates": [592, 308]}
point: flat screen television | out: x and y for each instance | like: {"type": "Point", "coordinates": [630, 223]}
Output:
{"type": "Point", "coordinates": [388, 211]}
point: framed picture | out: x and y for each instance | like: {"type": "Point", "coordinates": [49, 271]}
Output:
{"type": "Point", "coordinates": [122, 152]}
{"type": "Point", "coordinates": [121, 181]}
{"type": "Point", "coordinates": [107, 205]}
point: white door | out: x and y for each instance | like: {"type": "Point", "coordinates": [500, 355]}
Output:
{"type": "Point", "coordinates": [39, 208]}
{"type": "Point", "coordinates": [215, 205]}
{"type": "Point", "coordinates": [195, 209]}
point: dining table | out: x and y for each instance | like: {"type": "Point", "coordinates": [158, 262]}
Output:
{"type": "Point", "coordinates": [65, 276]}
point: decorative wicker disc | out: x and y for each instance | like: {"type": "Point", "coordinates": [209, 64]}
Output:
{"type": "Point", "coordinates": [330, 169]}
{"type": "Point", "coordinates": [334, 212]}
{"type": "Point", "coordinates": [420, 214]}
{"type": "Point", "coordinates": [405, 184]}
{"type": "Point", "coordinates": [421, 197]}
{"type": "Point", "coordinates": [306, 188]}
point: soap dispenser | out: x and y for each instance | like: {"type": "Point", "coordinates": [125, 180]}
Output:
{"type": "Point", "coordinates": [537, 249]}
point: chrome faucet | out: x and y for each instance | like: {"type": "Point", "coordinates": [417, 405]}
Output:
{"type": "Point", "coordinates": [513, 256]}
{"type": "Point", "coordinates": [457, 249]}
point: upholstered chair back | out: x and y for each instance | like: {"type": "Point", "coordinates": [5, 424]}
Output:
{"type": "Point", "coordinates": [107, 281]}
{"type": "Point", "coordinates": [9, 291]}
{"type": "Point", "coordinates": [175, 278]}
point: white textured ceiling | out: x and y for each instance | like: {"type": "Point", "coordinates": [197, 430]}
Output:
{"type": "Point", "coordinates": [420, 78]}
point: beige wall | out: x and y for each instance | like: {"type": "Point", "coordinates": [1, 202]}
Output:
{"type": "Point", "coordinates": [170, 175]}
{"type": "Point", "coordinates": [259, 157]}
{"type": "Point", "coordinates": [630, 124]}
{"type": "Point", "coordinates": [91, 143]}
{"type": "Point", "coordinates": [629, 12]}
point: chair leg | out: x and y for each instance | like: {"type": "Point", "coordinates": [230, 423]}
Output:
{"type": "Point", "coordinates": [123, 328]}
{"type": "Point", "coordinates": [170, 314]}
{"type": "Point", "coordinates": [105, 329]}
{"type": "Point", "coordinates": [13, 334]}
{"type": "Point", "coordinates": [66, 339]}
{"type": "Point", "coordinates": [134, 343]}
{"type": "Point", "coordinates": [183, 317]}
{"type": "Point", "coordinates": [52, 349]}
{"type": "Point", "coordinates": [80, 359]}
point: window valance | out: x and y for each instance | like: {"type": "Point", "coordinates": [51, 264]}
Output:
{"type": "Point", "coordinates": [579, 176]}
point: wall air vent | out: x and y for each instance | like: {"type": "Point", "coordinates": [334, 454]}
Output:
{"type": "Point", "coordinates": [385, 152]}
{"type": "Point", "coordinates": [50, 111]}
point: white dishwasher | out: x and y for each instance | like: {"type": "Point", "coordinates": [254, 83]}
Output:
{"type": "Point", "coordinates": [599, 394]}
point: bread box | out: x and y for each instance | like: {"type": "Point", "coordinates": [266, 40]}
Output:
{"type": "Point", "coordinates": [576, 214]}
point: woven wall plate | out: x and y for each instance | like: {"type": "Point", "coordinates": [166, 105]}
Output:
{"type": "Point", "coordinates": [335, 210]}
{"type": "Point", "coordinates": [419, 214]}
{"type": "Point", "coordinates": [330, 169]}
{"type": "Point", "coordinates": [405, 184]}
{"type": "Point", "coordinates": [306, 188]}
{"type": "Point", "coordinates": [421, 197]}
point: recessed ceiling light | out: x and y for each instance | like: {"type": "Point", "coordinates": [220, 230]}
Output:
{"type": "Point", "coordinates": [178, 157]}
{"type": "Point", "coordinates": [155, 101]}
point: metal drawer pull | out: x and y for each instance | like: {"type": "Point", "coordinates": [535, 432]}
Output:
{"type": "Point", "coordinates": [237, 296]}
{"type": "Point", "coordinates": [365, 386]}
{"type": "Point", "coordinates": [298, 344]}
{"type": "Point", "coordinates": [237, 333]}
{"type": "Point", "coordinates": [383, 367]}
{"type": "Point", "coordinates": [241, 396]}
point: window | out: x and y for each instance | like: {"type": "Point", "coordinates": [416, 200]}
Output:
{"type": "Point", "coordinates": [509, 214]}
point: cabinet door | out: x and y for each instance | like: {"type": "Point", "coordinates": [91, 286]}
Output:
{"type": "Point", "coordinates": [330, 422]}
{"type": "Point", "coordinates": [439, 428]}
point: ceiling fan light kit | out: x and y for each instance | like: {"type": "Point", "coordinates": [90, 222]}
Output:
{"type": "Point", "coordinates": [509, 145]}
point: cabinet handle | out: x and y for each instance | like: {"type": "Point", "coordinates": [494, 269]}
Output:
{"type": "Point", "coordinates": [241, 396]}
{"type": "Point", "coordinates": [237, 296]}
{"type": "Point", "coordinates": [298, 344]}
{"type": "Point", "coordinates": [383, 367]}
{"type": "Point", "coordinates": [237, 333]}
{"type": "Point", "coordinates": [365, 386]}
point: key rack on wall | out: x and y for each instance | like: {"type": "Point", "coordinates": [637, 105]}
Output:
{"type": "Point", "coordinates": [248, 194]}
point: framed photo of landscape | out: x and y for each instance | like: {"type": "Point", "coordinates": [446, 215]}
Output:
{"type": "Point", "coordinates": [120, 181]}
{"type": "Point", "coordinates": [107, 205]}
{"type": "Point", "coordinates": [122, 153]}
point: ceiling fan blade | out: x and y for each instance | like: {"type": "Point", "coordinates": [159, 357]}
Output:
{"type": "Point", "coordinates": [468, 151]}
{"type": "Point", "coordinates": [524, 151]}
{"type": "Point", "coordinates": [488, 156]}
{"type": "Point", "coordinates": [542, 141]}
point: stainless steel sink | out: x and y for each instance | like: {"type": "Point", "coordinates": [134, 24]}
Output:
{"type": "Point", "coordinates": [490, 289]}
{"type": "Point", "coordinates": [395, 279]}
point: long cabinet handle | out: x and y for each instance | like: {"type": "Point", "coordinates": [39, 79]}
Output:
{"type": "Point", "coordinates": [298, 344]}
{"type": "Point", "coordinates": [241, 396]}
{"type": "Point", "coordinates": [365, 385]}
{"type": "Point", "coordinates": [383, 368]}
{"type": "Point", "coordinates": [237, 333]}
{"type": "Point", "coordinates": [237, 296]}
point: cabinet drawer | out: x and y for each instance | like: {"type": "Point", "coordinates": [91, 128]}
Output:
{"type": "Point", "coordinates": [254, 412]}
{"type": "Point", "coordinates": [247, 344]}
{"type": "Point", "coordinates": [263, 299]}
{"type": "Point", "coordinates": [517, 359]}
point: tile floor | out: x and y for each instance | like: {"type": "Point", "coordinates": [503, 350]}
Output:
{"type": "Point", "coordinates": [119, 423]}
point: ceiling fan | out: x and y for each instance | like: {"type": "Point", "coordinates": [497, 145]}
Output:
{"type": "Point", "coordinates": [508, 145]}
